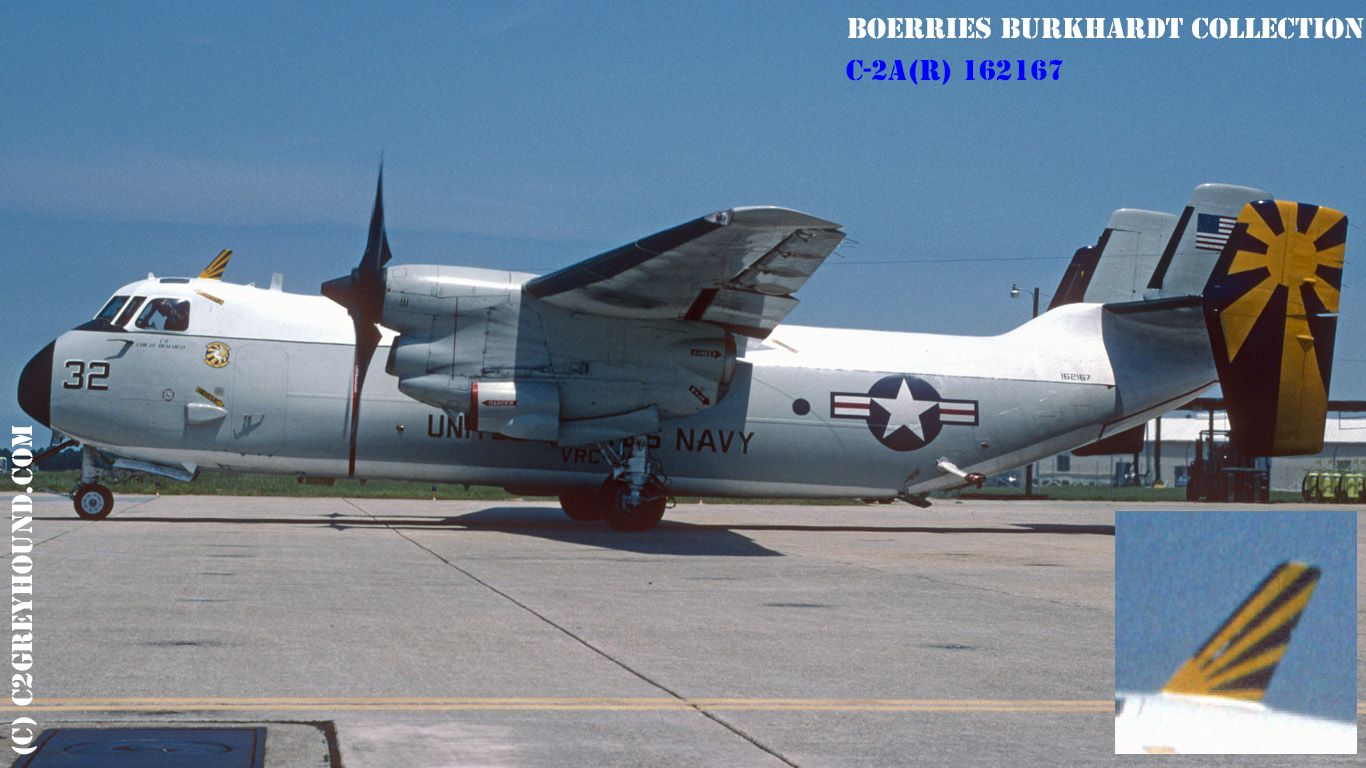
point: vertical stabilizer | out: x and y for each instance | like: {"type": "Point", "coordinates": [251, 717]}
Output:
{"type": "Point", "coordinates": [1118, 266]}
{"type": "Point", "coordinates": [1198, 238]}
{"type": "Point", "coordinates": [1271, 307]}
{"type": "Point", "coordinates": [216, 267]}
{"type": "Point", "coordinates": [1238, 660]}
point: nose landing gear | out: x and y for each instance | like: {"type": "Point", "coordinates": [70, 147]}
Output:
{"type": "Point", "coordinates": [92, 501]}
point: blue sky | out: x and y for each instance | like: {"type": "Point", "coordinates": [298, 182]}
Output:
{"type": "Point", "coordinates": [529, 135]}
{"type": "Point", "coordinates": [1179, 575]}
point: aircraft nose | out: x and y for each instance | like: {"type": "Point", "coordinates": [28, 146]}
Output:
{"type": "Point", "coordinates": [35, 386]}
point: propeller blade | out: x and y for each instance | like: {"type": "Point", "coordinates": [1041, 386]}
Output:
{"type": "Point", "coordinates": [376, 245]}
{"type": "Point", "coordinates": [367, 339]}
{"type": "Point", "coordinates": [362, 293]}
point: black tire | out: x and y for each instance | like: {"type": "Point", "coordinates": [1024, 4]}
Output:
{"type": "Point", "coordinates": [622, 515]}
{"type": "Point", "coordinates": [93, 502]}
{"type": "Point", "coordinates": [584, 506]}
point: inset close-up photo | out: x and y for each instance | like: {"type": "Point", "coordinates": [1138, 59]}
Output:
{"type": "Point", "coordinates": [1277, 670]}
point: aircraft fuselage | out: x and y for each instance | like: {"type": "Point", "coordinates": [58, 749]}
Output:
{"type": "Point", "coordinates": [1171, 724]}
{"type": "Point", "coordinates": [259, 380]}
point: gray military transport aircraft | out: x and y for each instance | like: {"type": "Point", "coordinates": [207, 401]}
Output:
{"type": "Point", "coordinates": [661, 368]}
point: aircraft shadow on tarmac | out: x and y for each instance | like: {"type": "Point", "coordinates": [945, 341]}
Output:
{"type": "Point", "coordinates": [672, 537]}
{"type": "Point", "coordinates": [681, 539]}
{"type": "Point", "coordinates": [669, 538]}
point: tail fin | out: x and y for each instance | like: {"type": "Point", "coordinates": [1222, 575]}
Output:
{"type": "Point", "coordinates": [216, 267]}
{"type": "Point", "coordinates": [1238, 660]}
{"type": "Point", "coordinates": [1118, 266]}
{"type": "Point", "coordinates": [1198, 239]}
{"type": "Point", "coordinates": [1270, 306]}
{"type": "Point", "coordinates": [1149, 255]}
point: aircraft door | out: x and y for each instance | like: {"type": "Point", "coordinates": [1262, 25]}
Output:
{"type": "Point", "coordinates": [258, 397]}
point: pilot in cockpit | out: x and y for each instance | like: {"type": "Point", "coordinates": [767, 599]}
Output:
{"type": "Point", "coordinates": [165, 315]}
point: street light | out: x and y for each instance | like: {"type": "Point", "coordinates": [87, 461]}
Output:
{"type": "Point", "coordinates": [1029, 468]}
{"type": "Point", "coordinates": [1015, 294]}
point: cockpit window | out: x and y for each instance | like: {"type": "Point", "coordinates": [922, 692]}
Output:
{"type": "Point", "coordinates": [1119, 706]}
{"type": "Point", "coordinates": [111, 310]}
{"type": "Point", "coordinates": [129, 310]}
{"type": "Point", "coordinates": [165, 315]}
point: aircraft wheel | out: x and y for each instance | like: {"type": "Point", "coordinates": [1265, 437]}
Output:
{"type": "Point", "coordinates": [634, 517]}
{"type": "Point", "coordinates": [584, 506]}
{"type": "Point", "coordinates": [93, 501]}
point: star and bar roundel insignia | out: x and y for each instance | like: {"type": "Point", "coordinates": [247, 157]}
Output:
{"type": "Point", "coordinates": [902, 411]}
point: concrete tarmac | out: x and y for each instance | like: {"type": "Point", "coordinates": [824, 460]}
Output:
{"type": "Point", "coordinates": [377, 633]}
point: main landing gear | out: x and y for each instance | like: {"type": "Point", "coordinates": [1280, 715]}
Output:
{"type": "Point", "coordinates": [632, 499]}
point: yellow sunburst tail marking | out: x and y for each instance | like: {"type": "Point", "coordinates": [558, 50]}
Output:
{"type": "Point", "coordinates": [1271, 306]}
{"type": "Point", "coordinates": [1238, 660]}
{"type": "Point", "coordinates": [216, 267]}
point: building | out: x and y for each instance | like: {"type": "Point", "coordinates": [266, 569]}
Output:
{"type": "Point", "coordinates": [1344, 447]}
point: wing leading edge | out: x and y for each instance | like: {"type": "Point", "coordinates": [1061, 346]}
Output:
{"type": "Point", "coordinates": [737, 269]}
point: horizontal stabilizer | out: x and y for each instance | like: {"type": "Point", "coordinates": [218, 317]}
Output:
{"type": "Point", "coordinates": [1239, 659]}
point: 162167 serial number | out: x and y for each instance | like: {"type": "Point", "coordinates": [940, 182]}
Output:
{"type": "Point", "coordinates": [941, 71]}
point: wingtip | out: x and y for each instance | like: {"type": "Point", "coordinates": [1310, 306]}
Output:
{"type": "Point", "coordinates": [777, 217]}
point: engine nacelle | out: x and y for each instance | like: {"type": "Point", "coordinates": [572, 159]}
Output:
{"type": "Point", "coordinates": [472, 343]}
{"type": "Point", "coordinates": [414, 295]}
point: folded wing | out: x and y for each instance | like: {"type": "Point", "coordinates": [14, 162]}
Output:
{"type": "Point", "coordinates": [737, 269]}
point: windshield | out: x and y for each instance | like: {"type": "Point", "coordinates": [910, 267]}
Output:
{"type": "Point", "coordinates": [111, 310]}
{"type": "Point", "coordinates": [129, 310]}
{"type": "Point", "coordinates": [104, 321]}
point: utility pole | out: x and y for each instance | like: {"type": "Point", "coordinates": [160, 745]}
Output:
{"type": "Point", "coordinates": [1029, 468]}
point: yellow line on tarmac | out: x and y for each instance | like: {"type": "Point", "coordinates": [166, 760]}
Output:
{"type": "Point", "coordinates": [562, 704]}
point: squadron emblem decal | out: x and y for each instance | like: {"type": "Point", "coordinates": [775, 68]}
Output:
{"type": "Point", "coordinates": [216, 354]}
{"type": "Point", "coordinates": [903, 412]}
